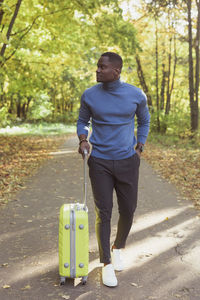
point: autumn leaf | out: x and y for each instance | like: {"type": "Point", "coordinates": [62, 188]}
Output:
{"type": "Point", "coordinates": [6, 286]}
{"type": "Point", "coordinates": [136, 285]}
{"type": "Point", "coordinates": [27, 287]}
{"type": "Point", "coordinates": [20, 157]}
{"type": "Point", "coordinates": [180, 167]}
{"type": "Point", "coordinates": [4, 265]}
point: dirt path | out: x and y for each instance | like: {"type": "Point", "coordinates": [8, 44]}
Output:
{"type": "Point", "coordinates": [162, 254]}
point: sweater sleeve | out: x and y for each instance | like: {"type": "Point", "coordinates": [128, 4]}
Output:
{"type": "Point", "coordinates": [83, 123]}
{"type": "Point", "coordinates": [143, 119]}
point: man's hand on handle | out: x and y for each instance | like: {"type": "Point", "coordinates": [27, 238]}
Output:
{"type": "Point", "coordinates": [83, 145]}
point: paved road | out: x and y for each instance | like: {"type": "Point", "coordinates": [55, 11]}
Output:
{"type": "Point", "coordinates": [162, 256]}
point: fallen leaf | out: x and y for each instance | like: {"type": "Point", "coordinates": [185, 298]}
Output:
{"type": "Point", "coordinates": [29, 221]}
{"type": "Point", "coordinates": [6, 286]}
{"type": "Point", "coordinates": [165, 160]}
{"type": "Point", "coordinates": [27, 287]}
{"type": "Point", "coordinates": [136, 285]}
{"type": "Point", "coordinates": [20, 157]}
{"type": "Point", "coordinates": [4, 265]}
{"type": "Point", "coordinates": [148, 255]}
{"type": "Point", "coordinates": [66, 297]}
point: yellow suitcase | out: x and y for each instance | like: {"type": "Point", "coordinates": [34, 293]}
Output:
{"type": "Point", "coordinates": [74, 238]}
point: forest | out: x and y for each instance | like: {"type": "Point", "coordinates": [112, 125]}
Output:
{"type": "Point", "coordinates": [49, 50]}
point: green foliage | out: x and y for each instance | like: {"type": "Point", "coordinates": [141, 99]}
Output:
{"type": "Point", "coordinates": [67, 118]}
{"type": "Point", "coordinates": [4, 116]}
{"type": "Point", "coordinates": [41, 109]}
{"type": "Point", "coordinates": [171, 140]}
{"type": "Point", "coordinates": [123, 35]}
{"type": "Point", "coordinates": [46, 56]}
{"type": "Point", "coordinates": [162, 34]}
{"type": "Point", "coordinates": [54, 47]}
{"type": "Point", "coordinates": [177, 123]}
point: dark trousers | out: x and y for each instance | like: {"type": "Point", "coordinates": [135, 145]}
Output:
{"type": "Point", "coordinates": [106, 176]}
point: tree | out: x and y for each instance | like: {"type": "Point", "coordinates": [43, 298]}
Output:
{"type": "Point", "coordinates": [193, 80]}
{"type": "Point", "coordinates": [142, 79]}
{"type": "Point", "coordinates": [46, 56]}
{"type": "Point", "coordinates": [8, 27]}
{"type": "Point", "coordinates": [162, 37]}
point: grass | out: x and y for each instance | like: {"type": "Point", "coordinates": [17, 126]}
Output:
{"type": "Point", "coordinates": [40, 129]}
{"type": "Point", "coordinates": [174, 141]}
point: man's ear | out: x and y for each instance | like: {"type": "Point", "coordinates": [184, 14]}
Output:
{"type": "Point", "coordinates": [117, 71]}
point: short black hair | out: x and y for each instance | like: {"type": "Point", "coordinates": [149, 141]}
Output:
{"type": "Point", "coordinates": [114, 58]}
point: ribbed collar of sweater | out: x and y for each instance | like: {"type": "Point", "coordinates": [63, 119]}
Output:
{"type": "Point", "coordinates": [110, 86]}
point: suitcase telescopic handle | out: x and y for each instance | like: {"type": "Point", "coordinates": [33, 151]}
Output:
{"type": "Point", "coordinates": [85, 176]}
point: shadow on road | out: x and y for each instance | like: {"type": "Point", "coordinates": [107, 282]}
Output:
{"type": "Point", "coordinates": [161, 257]}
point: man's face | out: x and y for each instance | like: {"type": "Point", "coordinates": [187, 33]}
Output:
{"type": "Point", "coordinates": [106, 71]}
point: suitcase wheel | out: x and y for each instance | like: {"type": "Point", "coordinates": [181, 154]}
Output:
{"type": "Point", "coordinates": [62, 280]}
{"type": "Point", "coordinates": [84, 280]}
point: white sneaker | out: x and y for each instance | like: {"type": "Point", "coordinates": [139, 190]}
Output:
{"type": "Point", "coordinates": [108, 276]}
{"type": "Point", "coordinates": [117, 260]}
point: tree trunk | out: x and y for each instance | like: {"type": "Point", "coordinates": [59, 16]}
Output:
{"type": "Point", "coordinates": [157, 89]}
{"type": "Point", "coordinates": [191, 71]}
{"type": "Point", "coordinates": [11, 107]}
{"type": "Point", "coordinates": [1, 11]}
{"type": "Point", "coordinates": [18, 107]}
{"type": "Point", "coordinates": [167, 107]}
{"type": "Point", "coordinates": [162, 90]}
{"type": "Point", "coordinates": [175, 62]}
{"type": "Point", "coordinates": [142, 80]}
{"type": "Point", "coordinates": [71, 107]}
{"type": "Point", "coordinates": [196, 103]}
{"type": "Point", "coordinates": [3, 49]}
{"type": "Point", "coordinates": [171, 58]}
{"type": "Point", "coordinates": [23, 111]}
{"type": "Point", "coordinates": [27, 106]}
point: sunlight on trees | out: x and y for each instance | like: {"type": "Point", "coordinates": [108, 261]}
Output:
{"type": "Point", "coordinates": [51, 48]}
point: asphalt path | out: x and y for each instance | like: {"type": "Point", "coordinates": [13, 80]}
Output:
{"type": "Point", "coordinates": [162, 256]}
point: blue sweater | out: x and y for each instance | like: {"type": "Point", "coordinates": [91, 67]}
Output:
{"type": "Point", "coordinates": [112, 108]}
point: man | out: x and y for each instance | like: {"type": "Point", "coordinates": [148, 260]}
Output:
{"type": "Point", "coordinates": [113, 163]}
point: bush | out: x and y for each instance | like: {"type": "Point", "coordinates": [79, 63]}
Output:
{"type": "Point", "coordinates": [67, 118]}
{"type": "Point", "coordinates": [176, 123]}
{"type": "Point", "coordinates": [4, 117]}
{"type": "Point", "coordinates": [41, 108]}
